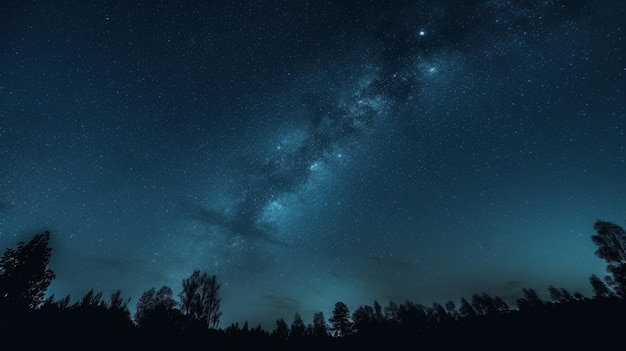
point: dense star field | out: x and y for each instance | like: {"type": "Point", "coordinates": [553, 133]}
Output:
{"type": "Point", "coordinates": [313, 152]}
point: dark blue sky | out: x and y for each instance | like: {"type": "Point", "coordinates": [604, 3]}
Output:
{"type": "Point", "coordinates": [308, 153]}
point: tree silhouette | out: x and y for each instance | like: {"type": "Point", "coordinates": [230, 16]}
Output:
{"type": "Point", "coordinates": [232, 330]}
{"type": "Point", "coordinates": [24, 273]}
{"type": "Point", "coordinates": [378, 312]}
{"type": "Point", "coordinates": [52, 303]}
{"type": "Point", "coordinates": [363, 318]}
{"type": "Point", "coordinates": [118, 308]}
{"type": "Point", "coordinates": [298, 328]}
{"type": "Point", "coordinates": [484, 304]}
{"type": "Point", "coordinates": [413, 317]}
{"type": "Point", "coordinates": [439, 312]}
{"type": "Point", "coordinates": [281, 333]}
{"type": "Point", "coordinates": [200, 298]}
{"type": "Point", "coordinates": [560, 295]}
{"type": "Point", "coordinates": [157, 310]}
{"type": "Point", "coordinates": [24, 278]}
{"type": "Point", "coordinates": [600, 289]}
{"type": "Point", "coordinates": [501, 305]}
{"type": "Point", "coordinates": [91, 299]}
{"type": "Point", "coordinates": [391, 311]}
{"type": "Point", "coordinates": [363, 314]}
{"type": "Point", "coordinates": [118, 303]}
{"type": "Point", "coordinates": [340, 321]}
{"type": "Point", "coordinates": [320, 328]}
{"type": "Point", "coordinates": [466, 310]}
{"type": "Point", "coordinates": [530, 300]}
{"type": "Point", "coordinates": [610, 239]}
{"type": "Point", "coordinates": [451, 309]}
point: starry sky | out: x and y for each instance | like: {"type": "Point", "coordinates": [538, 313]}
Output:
{"type": "Point", "coordinates": [313, 152]}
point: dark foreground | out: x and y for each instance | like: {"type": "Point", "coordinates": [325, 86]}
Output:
{"type": "Point", "coordinates": [595, 323]}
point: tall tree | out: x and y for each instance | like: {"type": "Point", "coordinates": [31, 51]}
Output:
{"type": "Point", "coordinates": [118, 307]}
{"type": "Point", "coordinates": [412, 317]}
{"type": "Point", "coordinates": [281, 333]}
{"type": "Point", "coordinates": [610, 239]}
{"type": "Point", "coordinates": [340, 321]}
{"type": "Point", "coordinates": [24, 272]}
{"type": "Point", "coordinates": [320, 328]}
{"type": "Point", "coordinates": [117, 303]}
{"type": "Point", "coordinates": [157, 309]}
{"type": "Point", "coordinates": [378, 312]}
{"type": "Point", "coordinates": [200, 298]}
{"type": "Point", "coordinates": [297, 327]}
{"type": "Point", "coordinates": [363, 318]}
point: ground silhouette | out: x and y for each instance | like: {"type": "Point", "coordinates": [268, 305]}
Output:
{"type": "Point", "coordinates": [27, 320]}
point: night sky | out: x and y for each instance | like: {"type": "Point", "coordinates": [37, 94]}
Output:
{"type": "Point", "coordinates": [313, 152]}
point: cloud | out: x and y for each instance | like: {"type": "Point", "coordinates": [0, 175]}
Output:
{"type": "Point", "coordinates": [243, 222]}
{"type": "Point", "coordinates": [282, 304]}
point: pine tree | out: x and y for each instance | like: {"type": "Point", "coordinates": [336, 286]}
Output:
{"type": "Point", "coordinates": [297, 327]}
{"type": "Point", "coordinates": [340, 322]}
{"type": "Point", "coordinates": [281, 333]}
{"type": "Point", "coordinates": [320, 329]}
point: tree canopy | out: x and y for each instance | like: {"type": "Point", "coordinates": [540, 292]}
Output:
{"type": "Point", "coordinates": [25, 277]}
{"type": "Point", "coordinates": [610, 240]}
{"type": "Point", "coordinates": [24, 272]}
{"type": "Point", "coordinates": [340, 321]}
{"type": "Point", "coordinates": [200, 298]}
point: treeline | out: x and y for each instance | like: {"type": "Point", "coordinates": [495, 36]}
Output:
{"type": "Point", "coordinates": [28, 319]}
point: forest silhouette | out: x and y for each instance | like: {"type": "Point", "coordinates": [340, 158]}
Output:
{"type": "Point", "coordinates": [29, 319]}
